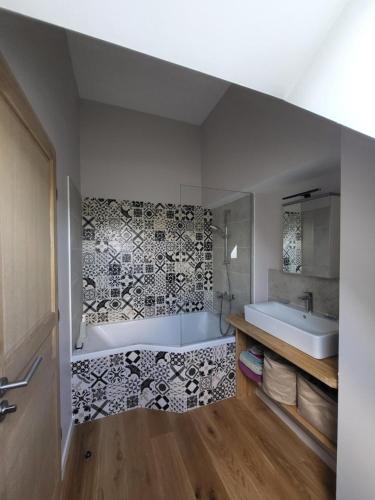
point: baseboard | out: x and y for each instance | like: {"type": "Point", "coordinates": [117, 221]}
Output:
{"type": "Point", "coordinates": [311, 443]}
{"type": "Point", "coordinates": [65, 453]}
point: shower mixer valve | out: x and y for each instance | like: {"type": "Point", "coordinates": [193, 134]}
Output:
{"type": "Point", "coordinates": [225, 295]}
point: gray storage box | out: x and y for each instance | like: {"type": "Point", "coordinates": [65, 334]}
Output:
{"type": "Point", "coordinates": [318, 405]}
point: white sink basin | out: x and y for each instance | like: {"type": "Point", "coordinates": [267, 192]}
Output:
{"type": "Point", "coordinates": [311, 333]}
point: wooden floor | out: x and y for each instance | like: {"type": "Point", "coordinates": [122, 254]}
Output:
{"type": "Point", "coordinates": [228, 450]}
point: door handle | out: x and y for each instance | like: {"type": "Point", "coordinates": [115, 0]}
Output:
{"type": "Point", "coordinates": [5, 385]}
{"type": "Point", "coordinates": [6, 408]}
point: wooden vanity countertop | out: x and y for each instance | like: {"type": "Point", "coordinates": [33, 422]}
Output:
{"type": "Point", "coordinates": [325, 370]}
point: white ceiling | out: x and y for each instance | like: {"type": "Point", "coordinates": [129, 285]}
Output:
{"type": "Point", "coordinates": [315, 54]}
{"type": "Point", "coordinates": [265, 45]}
{"type": "Point", "coordinates": [121, 77]}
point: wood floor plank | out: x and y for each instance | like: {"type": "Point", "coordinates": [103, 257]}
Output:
{"type": "Point", "coordinates": [253, 459]}
{"type": "Point", "coordinates": [140, 474]}
{"type": "Point", "coordinates": [232, 450]}
{"type": "Point", "coordinates": [158, 422]}
{"type": "Point", "coordinates": [251, 456]}
{"type": "Point", "coordinates": [205, 479]}
{"type": "Point", "coordinates": [173, 478]}
{"type": "Point", "coordinates": [234, 473]}
{"type": "Point", "coordinates": [112, 461]}
{"type": "Point", "coordinates": [279, 464]}
{"type": "Point", "coordinates": [81, 473]}
{"type": "Point", "coordinates": [287, 449]}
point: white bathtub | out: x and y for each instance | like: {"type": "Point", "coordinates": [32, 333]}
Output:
{"type": "Point", "coordinates": [179, 333]}
{"type": "Point", "coordinates": [169, 363]}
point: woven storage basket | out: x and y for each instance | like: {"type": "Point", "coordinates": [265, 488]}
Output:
{"type": "Point", "coordinates": [318, 405]}
{"type": "Point", "coordinates": [279, 379]}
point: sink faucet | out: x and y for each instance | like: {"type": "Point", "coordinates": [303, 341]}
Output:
{"type": "Point", "coordinates": [307, 297]}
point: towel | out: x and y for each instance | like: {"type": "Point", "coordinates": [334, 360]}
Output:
{"type": "Point", "coordinates": [248, 355]}
{"type": "Point", "coordinates": [251, 362]}
{"type": "Point", "coordinates": [248, 373]}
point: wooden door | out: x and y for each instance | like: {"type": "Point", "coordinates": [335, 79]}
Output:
{"type": "Point", "coordinates": [30, 437]}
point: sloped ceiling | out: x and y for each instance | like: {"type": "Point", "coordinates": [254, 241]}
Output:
{"type": "Point", "coordinates": [313, 54]}
{"type": "Point", "coordinates": [113, 75]}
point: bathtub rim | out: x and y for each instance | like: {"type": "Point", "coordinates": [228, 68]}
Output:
{"type": "Point", "coordinates": [204, 344]}
{"type": "Point", "coordinates": [162, 316]}
{"type": "Point", "coordinates": [78, 355]}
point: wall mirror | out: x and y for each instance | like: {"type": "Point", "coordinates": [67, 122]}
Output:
{"type": "Point", "coordinates": [311, 236]}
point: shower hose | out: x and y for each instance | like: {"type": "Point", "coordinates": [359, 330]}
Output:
{"type": "Point", "coordinates": [225, 331]}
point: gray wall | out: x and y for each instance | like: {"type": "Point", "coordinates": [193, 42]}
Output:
{"type": "Point", "coordinates": [248, 139]}
{"type": "Point", "coordinates": [356, 431]}
{"type": "Point", "coordinates": [284, 286]}
{"type": "Point", "coordinates": [268, 221]}
{"type": "Point", "coordinates": [129, 155]}
{"type": "Point", "coordinates": [39, 58]}
{"type": "Point", "coordinates": [239, 227]}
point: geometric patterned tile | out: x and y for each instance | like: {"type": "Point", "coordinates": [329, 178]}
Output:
{"type": "Point", "coordinates": [205, 397]}
{"type": "Point", "coordinates": [100, 409]}
{"type": "Point", "coordinates": [165, 381]}
{"type": "Point", "coordinates": [81, 414]}
{"type": "Point", "coordinates": [178, 404]}
{"type": "Point", "coordinates": [191, 402]}
{"type": "Point", "coordinates": [134, 249]}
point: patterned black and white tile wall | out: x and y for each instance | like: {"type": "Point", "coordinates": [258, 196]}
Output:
{"type": "Point", "coordinates": [292, 241]}
{"type": "Point", "coordinates": [144, 259]}
{"type": "Point", "coordinates": [159, 380]}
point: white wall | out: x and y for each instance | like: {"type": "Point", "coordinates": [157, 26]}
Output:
{"type": "Point", "coordinates": [339, 81]}
{"type": "Point", "coordinates": [356, 432]}
{"type": "Point", "coordinates": [39, 58]}
{"type": "Point", "coordinates": [130, 155]}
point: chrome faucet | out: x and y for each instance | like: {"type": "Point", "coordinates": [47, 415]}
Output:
{"type": "Point", "coordinates": [307, 297]}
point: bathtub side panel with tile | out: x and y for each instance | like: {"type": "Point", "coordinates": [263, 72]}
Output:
{"type": "Point", "coordinates": [160, 380]}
